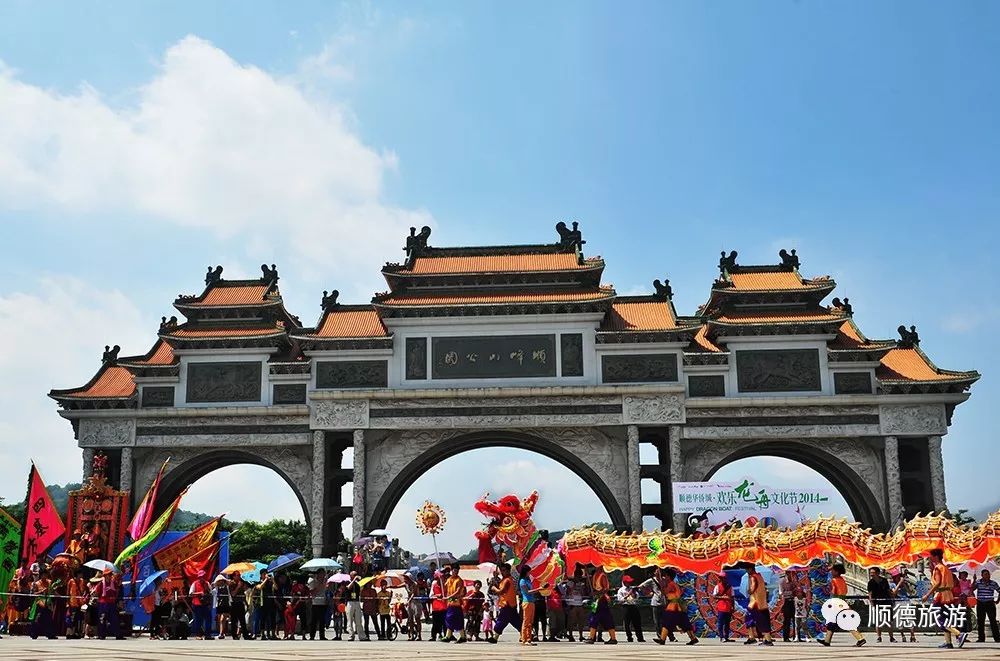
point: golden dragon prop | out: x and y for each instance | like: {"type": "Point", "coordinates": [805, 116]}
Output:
{"type": "Point", "coordinates": [785, 547]}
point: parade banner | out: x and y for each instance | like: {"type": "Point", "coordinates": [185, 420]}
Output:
{"type": "Point", "coordinates": [96, 513]}
{"type": "Point", "coordinates": [143, 516]}
{"type": "Point", "coordinates": [172, 555]}
{"type": "Point", "coordinates": [714, 506]}
{"type": "Point", "coordinates": [42, 524]}
{"type": "Point", "coordinates": [10, 542]}
{"type": "Point", "coordinates": [158, 527]}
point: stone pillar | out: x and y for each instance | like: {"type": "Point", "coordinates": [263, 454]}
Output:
{"type": "Point", "coordinates": [936, 464]}
{"type": "Point", "coordinates": [125, 476]}
{"type": "Point", "coordinates": [676, 473]}
{"type": "Point", "coordinates": [358, 521]}
{"type": "Point", "coordinates": [88, 463]}
{"type": "Point", "coordinates": [894, 492]}
{"type": "Point", "coordinates": [318, 517]}
{"type": "Point", "coordinates": [634, 480]}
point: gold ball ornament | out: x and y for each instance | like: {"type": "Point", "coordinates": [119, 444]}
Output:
{"type": "Point", "coordinates": [430, 519]}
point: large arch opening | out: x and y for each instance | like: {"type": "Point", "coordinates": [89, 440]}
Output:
{"type": "Point", "coordinates": [801, 465]}
{"type": "Point", "coordinates": [570, 493]}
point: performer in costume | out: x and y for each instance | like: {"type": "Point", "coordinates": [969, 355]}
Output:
{"type": "Point", "coordinates": [506, 602]}
{"type": "Point", "coordinates": [601, 618]}
{"type": "Point", "coordinates": [943, 591]}
{"type": "Point", "coordinates": [107, 606]}
{"type": "Point", "coordinates": [758, 604]}
{"type": "Point", "coordinates": [838, 588]}
{"type": "Point", "coordinates": [76, 588]}
{"type": "Point", "coordinates": [454, 593]}
{"type": "Point", "coordinates": [674, 615]}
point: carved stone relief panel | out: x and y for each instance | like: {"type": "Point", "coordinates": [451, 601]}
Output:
{"type": "Point", "coordinates": [106, 432]}
{"type": "Point", "coordinates": [639, 368]}
{"type": "Point", "coordinates": [416, 358]}
{"type": "Point", "coordinates": [778, 370]}
{"type": "Point", "coordinates": [653, 409]}
{"type": "Point", "coordinates": [223, 382]}
{"type": "Point", "coordinates": [157, 396]}
{"type": "Point", "coordinates": [711, 385]}
{"type": "Point", "coordinates": [340, 414]}
{"type": "Point", "coordinates": [913, 419]}
{"type": "Point", "coordinates": [852, 383]}
{"type": "Point", "coordinates": [352, 374]}
{"type": "Point", "coordinates": [289, 393]}
{"type": "Point", "coordinates": [571, 346]}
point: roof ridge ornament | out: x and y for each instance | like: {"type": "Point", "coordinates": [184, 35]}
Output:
{"type": "Point", "coordinates": [727, 263]}
{"type": "Point", "coordinates": [789, 260]}
{"type": "Point", "coordinates": [416, 243]}
{"type": "Point", "coordinates": [213, 276]}
{"type": "Point", "coordinates": [908, 339]}
{"type": "Point", "coordinates": [570, 237]}
{"type": "Point", "coordinates": [268, 275]}
{"type": "Point", "coordinates": [168, 324]}
{"type": "Point", "coordinates": [329, 301]}
{"type": "Point", "coordinates": [844, 306]}
{"type": "Point", "coordinates": [663, 289]}
{"type": "Point", "coordinates": [110, 354]}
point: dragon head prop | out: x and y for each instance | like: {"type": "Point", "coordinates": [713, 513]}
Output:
{"type": "Point", "coordinates": [508, 520]}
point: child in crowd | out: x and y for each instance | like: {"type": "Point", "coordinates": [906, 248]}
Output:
{"type": "Point", "coordinates": [290, 618]}
{"type": "Point", "coordinates": [487, 625]}
{"type": "Point", "coordinates": [800, 616]}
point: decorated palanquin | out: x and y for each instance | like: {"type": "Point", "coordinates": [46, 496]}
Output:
{"type": "Point", "coordinates": [97, 516]}
{"type": "Point", "coordinates": [786, 548]}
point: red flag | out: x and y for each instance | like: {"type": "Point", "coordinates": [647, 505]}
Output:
{"type": "Point", "coordinates": [42, 524]}
{"type": "Point", "coordinates": [202, 561]}
{"type": "Point", "coordinates": [144, 512]}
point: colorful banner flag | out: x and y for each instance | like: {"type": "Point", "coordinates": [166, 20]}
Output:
{"type": "Point", "coordinates": [173, 554]}
{"type": "Point", "coordinates": [154, 531]}
{"type": "Point", "coordinates": [144, 512]}
{"type": "Point", "coordinates": [202, 561]}
{"type": "Point", "coordinates": [42, 524]}
{"type": "Point", "coordinates": [10, 544]}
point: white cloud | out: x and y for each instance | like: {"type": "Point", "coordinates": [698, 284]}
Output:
{"type": "Point", "coordinates": [53, 339]}
{"type": "Point", "coordinates": [210, 144]}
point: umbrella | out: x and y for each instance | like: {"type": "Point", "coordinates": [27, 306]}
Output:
{"type": "Point", "coordinates": [101, 565]}
{"type": "Point", "coordinates": [487, 567]}
{"type": "Point", "coordinates": [443, 558]}
{"type": "Point", "coordinates": [339, 578]}
{"type": "Point", "coordinates": [392, 580]}
{"type": "Point", "coordinates": [321, 563]}
{"type": "Point", "coordinates": [364, 541]}
{"type": "Point", "coordinates": [222, 578]}
{"type": "Point", "coordinates": [283, 561]}
{"type": "Point", "coordinates": [366, 580]}
{"type": "Point", "coordinates": [379, 532]}
{"type": "Point", "coordinates": [147, 586]}
{"type": "Point", "coordinates": [238, 567]}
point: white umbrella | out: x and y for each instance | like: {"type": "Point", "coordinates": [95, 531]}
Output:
{"type": "Point", "coordinates": [339, 578]}
{"type": "Point", "coordinates": [321, 563]}
{"type": "Point", "coordinates": [101, 565]}
{"type": "Point", "coordinates": [487, 567]}
{"type": "Point", "coordinates": [379, 532]}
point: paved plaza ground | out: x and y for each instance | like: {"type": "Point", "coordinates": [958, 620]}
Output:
{"type": "Point", "coordinates": [19, 648]}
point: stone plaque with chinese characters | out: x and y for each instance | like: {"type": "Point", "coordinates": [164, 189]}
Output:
{"type": "Point", "coordinates": [778, 370]}
{"type": "Point", "coordinates": [223, 382]}
{"type": "Point", "coordinates": [493, 357]}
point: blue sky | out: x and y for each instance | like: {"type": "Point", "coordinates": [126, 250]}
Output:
{"type": "Point", "coordinates": [141, 141]}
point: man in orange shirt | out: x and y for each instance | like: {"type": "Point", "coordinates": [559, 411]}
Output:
{"type": "Point", "coordinates": [943, 590]}
{"type": "Point", "coordinates": [601, 618]}
{"type": "Point", "coordinates": [506, 603]}
{"type": "Point", "coordinates": [76, 589]}
{"type": "Point", "coordinates": [454, 593]}
{"type": "Point", "coordinates": [838, 588]}
{"type": "Point", "coordinates": [758, 604]}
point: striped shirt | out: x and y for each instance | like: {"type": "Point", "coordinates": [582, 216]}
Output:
{"type": "Point", "coordinates": [986, 590]}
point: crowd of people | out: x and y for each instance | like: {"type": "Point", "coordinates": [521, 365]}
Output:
{"type": "Point", "coordinates": [369, 603]}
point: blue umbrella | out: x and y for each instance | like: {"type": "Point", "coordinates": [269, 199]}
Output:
{"type": "Point", "coordinates": [254, 576]}
{"type": "Point", "coordinates": [146, 587]}
{"type": "Point", "coordinates": [283, 561]}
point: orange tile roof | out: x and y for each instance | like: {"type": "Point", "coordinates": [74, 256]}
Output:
{"type": "Point", "coordinates": [849, 337]}
{"type": "Point", "coordinates": [491, 299]}
{"type": "Point", "coordinates": [115, 381]}
{"type": "Point", "coordinates": [237, 295]}
{"type": "Point", "coordinates": [224, 332]}
{"type": "Point", "coordinates": [163, 355]}
{"type": "Point", "coordinates": [702, 341]}
{"type": "Point", "coordinates": [640, 316]}
{"type": "Point", "coordinates": [498, 263]}
{"type": "Point", "coordinates": [778, 317]}
{"type": "Point", "coordinates": [908, 365]}
{"type": "Point", "coordinates": [352, 323]}
{"type": "Point", "coordinates": [774, 280]}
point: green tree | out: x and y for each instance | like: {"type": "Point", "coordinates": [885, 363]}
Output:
{"type": "Point", "coordinates": [264, 542]}
{"type": "Point", "coordinates": [961, 517]}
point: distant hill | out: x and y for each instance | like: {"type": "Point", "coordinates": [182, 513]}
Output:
{"type": "Point", "coordinates": [554, 537]}
{"type": "Point", "coordinates": [981, 513]}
